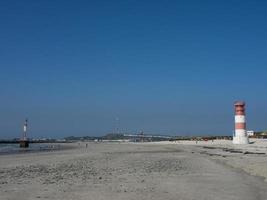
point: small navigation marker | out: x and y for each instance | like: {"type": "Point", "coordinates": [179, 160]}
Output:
{"type": "Point", "coordinates": [24, 142]}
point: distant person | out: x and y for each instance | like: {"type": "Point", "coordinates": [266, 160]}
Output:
{"type": "Point", "coordinates": [86, 145]}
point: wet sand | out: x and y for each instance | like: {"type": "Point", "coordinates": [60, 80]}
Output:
{"type": "Point", "coordinates": [183, 170]}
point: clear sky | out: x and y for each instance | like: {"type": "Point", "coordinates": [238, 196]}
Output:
{"type": "Point", "coordinates": [164, 67]}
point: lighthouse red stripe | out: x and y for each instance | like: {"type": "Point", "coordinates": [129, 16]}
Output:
{"type": "Point", "coordinates": [240, 126]}
{"type": "Point", "coordinates": [239, 112]}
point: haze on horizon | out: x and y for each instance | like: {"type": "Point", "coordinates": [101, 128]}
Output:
{"type": "Point", "coordinates": [164, 67]}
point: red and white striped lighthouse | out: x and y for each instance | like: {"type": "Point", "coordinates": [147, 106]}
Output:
{"type": "Point", "coordinates": [240, 136]}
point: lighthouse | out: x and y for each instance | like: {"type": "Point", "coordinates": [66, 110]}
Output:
{"type": "Point", "coordinates": [240, 136]}
{"type": "Point", "coordinates": [24, 142]}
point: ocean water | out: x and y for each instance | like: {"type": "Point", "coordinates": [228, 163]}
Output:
{"type": "Point", "coordinates": [14, 148]}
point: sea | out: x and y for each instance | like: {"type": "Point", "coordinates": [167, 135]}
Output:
{"type": "Point", "coordinates": [33, 147]}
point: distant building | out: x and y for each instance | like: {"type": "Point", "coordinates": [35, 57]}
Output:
{"type": "Point", "coordinates": [250, 133]}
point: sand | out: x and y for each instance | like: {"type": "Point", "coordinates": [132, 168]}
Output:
{"type": "Point", "coordinates": [165, 170]}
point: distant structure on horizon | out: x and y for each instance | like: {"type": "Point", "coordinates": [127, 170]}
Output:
{"type": "Point", "coordinates": [250, 133]}
{"type": "Point", "coordinates": [24, 142]}
{"type": "Point", "coordinates": [240, 136]}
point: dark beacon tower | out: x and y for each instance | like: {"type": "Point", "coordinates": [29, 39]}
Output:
{"type": "Point", "coordinates": [24, 142]}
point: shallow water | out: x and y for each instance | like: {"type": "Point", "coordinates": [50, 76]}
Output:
{"type": "Point", "coordinates": [14, 148]}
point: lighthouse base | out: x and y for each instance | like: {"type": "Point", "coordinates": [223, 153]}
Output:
{"type": "Point", "coordinates": [240, 140]}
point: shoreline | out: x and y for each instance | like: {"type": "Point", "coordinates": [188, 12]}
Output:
{"type": "Point", "coordinates": [46, 147]}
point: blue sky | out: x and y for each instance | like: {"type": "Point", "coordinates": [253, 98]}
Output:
{"type": "Point", "coordinates": [165, 67]}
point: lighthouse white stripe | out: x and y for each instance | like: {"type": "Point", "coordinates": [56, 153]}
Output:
{"type": "Point", "coordinates": [240, 119]}
{"type": "Point", "coordinates": [240, 132]}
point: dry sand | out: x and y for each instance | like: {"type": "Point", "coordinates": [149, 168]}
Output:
{"type": "Point", "coordinates": [166, 170]}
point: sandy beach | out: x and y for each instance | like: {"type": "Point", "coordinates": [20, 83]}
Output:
{"type": "Point", "coordinates": [165, 170]}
